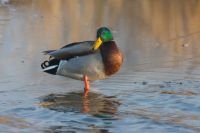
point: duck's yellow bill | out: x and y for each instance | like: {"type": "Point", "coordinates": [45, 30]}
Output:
{"type": "Point", "coordinates": [97, 44]}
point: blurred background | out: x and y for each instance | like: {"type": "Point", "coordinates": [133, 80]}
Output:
{"type": "Point", "coordinates": [155, 33]}
{"type": "Point", "coordinates": [157, 89]}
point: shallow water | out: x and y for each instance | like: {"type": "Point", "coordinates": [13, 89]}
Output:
{"type": "Point", "coordinates": [157, 89]}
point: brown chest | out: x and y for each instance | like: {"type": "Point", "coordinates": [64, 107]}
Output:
{"type": "Point", "coordinates": [112, 57]}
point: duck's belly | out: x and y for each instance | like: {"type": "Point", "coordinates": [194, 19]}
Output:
{"type": "Point", "coordinates": [90, 65]}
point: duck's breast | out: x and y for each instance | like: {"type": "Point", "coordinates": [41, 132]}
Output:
{"type": "Point", "coordinates": [112, 57]}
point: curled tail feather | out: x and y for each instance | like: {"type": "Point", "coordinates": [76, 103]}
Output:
{"type": "Point", "coordinates": [50, 66]}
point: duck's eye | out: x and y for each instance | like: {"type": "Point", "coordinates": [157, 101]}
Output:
{"type": "Point", "coordinates": [103, 32]}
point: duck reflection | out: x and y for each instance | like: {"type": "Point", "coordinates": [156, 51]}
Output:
{"type": "Point", "coordinates": [92, 103]}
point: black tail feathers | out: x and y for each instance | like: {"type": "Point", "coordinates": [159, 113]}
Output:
{"type": "Point", "coordinates": [50, 66]}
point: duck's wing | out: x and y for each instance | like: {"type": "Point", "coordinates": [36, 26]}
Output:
{"type": "Point", "coordinates": [72, 50]}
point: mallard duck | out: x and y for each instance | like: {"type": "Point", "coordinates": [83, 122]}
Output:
{"type": "Point", "coordinates": [86, 61]}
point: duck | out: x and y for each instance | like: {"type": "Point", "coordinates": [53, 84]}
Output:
{"type": "Point", "coordinates": [87, 60]}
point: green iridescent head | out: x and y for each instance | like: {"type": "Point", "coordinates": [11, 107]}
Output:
{"type": "Point", "coordinates": [103, 35]}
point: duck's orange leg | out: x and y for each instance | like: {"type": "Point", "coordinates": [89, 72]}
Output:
{"type": "Point", "coordinates": [86, 83]}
